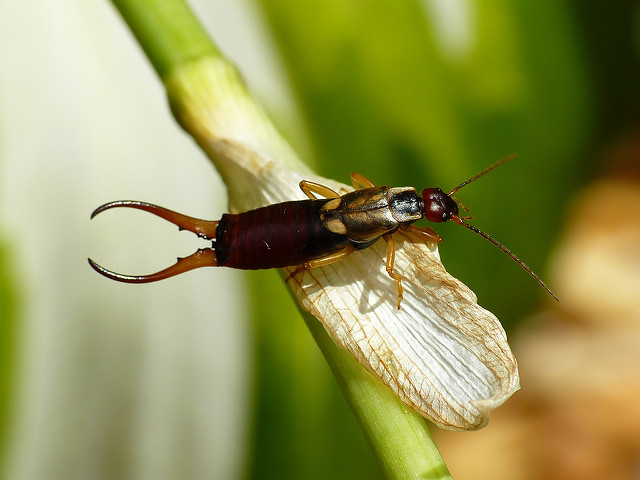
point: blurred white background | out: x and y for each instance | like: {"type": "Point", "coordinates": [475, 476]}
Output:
{"type": "Point", "coordinates": [114, 380]}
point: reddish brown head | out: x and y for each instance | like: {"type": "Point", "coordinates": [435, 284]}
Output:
{"type": "Point", "coordinates": [438, 206]}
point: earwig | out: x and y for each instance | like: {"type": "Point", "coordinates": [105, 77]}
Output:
{"type": "Point", "coordinates": [314, 232]}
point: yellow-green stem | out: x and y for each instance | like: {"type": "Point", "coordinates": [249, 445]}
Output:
{"type": "Point", "coordinates": [167, 31]}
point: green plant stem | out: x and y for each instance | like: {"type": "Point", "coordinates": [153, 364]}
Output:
{"type": "Point", "coordinates": [399, 436]}
{"type": "Point", "coordinates": [167, 31]}
{"type": "Point", "coordinates": [192, 68]}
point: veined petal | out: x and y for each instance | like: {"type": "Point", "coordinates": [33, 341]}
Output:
{"type": "Point", "coordinates": [442, 354]}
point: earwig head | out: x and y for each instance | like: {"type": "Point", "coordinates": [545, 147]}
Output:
{"type": "Point", "coordinates": [438, 206]}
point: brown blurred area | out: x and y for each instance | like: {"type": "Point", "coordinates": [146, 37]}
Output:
{"type": "Point", "coordinates": [577, 415]}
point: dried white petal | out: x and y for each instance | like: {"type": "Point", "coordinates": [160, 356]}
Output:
{"type": "Point", "coordinates": [442, 354]}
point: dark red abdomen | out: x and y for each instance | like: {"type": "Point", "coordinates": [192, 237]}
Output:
{"type": "Point", "coordinates": [280, 235]}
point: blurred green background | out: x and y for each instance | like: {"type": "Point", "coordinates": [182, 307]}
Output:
{"type": "Point", "coordinates": [188, 379]}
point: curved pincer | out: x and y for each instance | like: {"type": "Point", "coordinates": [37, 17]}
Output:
{"type": "Point", "coordinates": [204, 257]}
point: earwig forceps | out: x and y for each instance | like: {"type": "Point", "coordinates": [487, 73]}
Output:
{"type": "Point", "coordinates": [204, 257]}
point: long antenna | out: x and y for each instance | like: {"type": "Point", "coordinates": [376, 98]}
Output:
{"type": "Point", "coordinates": [461, 221]}
{"type": "Point", "coordinates": [513, 256]}
{"type": "Point", "coordinates": [486, 170]}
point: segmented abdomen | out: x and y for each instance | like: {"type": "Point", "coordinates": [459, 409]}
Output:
{"type": "Point", "coordinates": [279, 235]}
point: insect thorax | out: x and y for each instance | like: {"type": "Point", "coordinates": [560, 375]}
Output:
{"type": "Point", "coordinates": [367, 214]}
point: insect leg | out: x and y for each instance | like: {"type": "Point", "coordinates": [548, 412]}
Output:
{"type": "Point", "coordinates": [311, 188]}
{"type": "Point", "coordinates": [424, 235]}
{"type": "Point", "coordinates": [329, 259]}
{"type": "Point", "coordinates": [360, 181]}
{"type": "Point", "coordinates": [391, 256]}
{"type": "Point", "coordinates": [326, 260]}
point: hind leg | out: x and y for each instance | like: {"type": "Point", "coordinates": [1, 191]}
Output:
{"type": "Point", "coordinates": [360, 181]}
{"type": "Point", "coordinates": [310, 189]}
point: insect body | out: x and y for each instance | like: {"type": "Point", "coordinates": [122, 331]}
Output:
{"type": "Point", "coordinates": [310, 233]}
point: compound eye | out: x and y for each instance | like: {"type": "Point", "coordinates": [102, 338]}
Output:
{"type": "Point", "coordinates": [438, 206]}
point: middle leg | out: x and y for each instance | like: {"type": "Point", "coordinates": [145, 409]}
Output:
{"type": "Point", "coordinates": [391, 257]}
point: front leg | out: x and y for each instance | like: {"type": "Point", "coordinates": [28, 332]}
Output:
{"type": "Point", "coordinates": [423, 235]}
